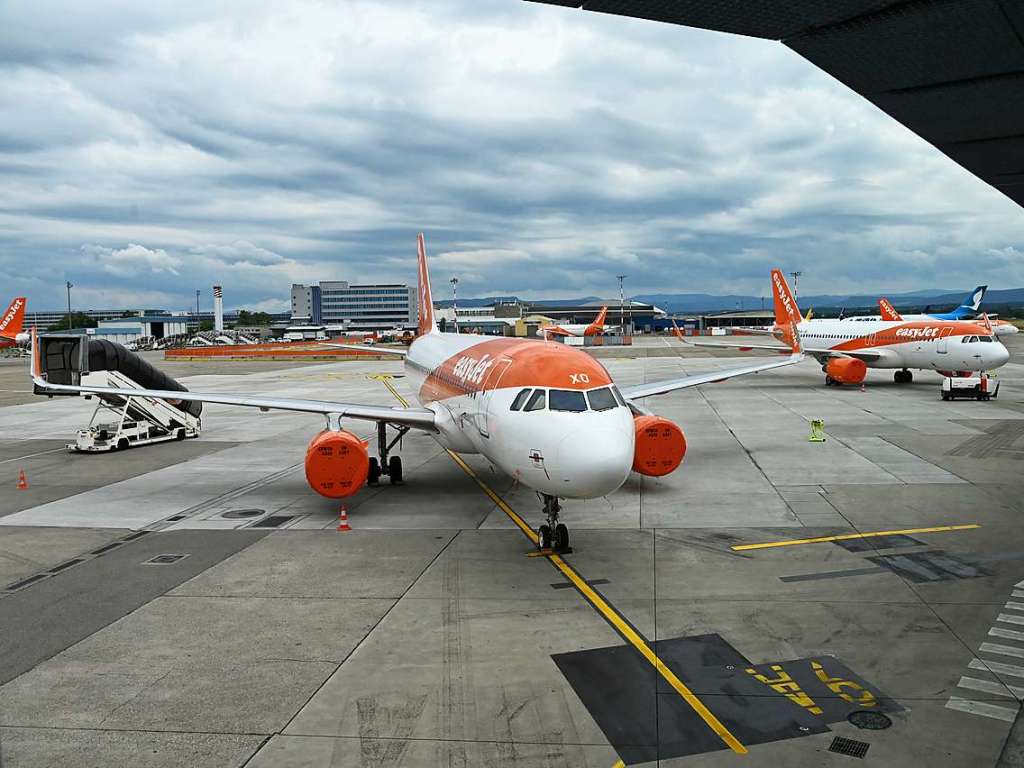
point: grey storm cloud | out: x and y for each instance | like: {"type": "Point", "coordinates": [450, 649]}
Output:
{"type": "Point", "coordinates": [152, 149]}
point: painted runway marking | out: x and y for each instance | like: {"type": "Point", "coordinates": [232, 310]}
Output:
{"type": "Point", "coordinates": [33, 455]}
{"type": "Point", "coordinates": [613, 617]}
{"type": "Point", "coordinates": [995, 669]}
{"type": "Point", "coordinates": [846, 536]}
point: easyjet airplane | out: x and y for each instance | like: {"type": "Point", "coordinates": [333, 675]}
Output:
{"type": "Point", "coordinates": [11, 324]}
{"type": "Point", "coordinates": [548, 415]}
{"type": "Point", "coordinates": [847, 348]}
{"type": "Point", "coordinates": [888, 312]}
{"type": "Point", "coordinates": [576, 330]}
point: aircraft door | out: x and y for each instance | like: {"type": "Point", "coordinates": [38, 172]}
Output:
{"type": "Point", "coordinates": [943, 347]}
{"type": "Point", "coordinates": [485, 400]}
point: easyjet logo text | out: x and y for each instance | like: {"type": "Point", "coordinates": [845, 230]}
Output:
{"type": "Point", "coordinates": [469, 370]}
{"type": "Point", "coordinates": [783, 294]}
{"type": "Point", "coordinates": [918, 333]}
{"type": "Point", "coordinates": [11, 313]}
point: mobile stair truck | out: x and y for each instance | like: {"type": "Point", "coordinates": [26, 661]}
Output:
{"type": "Point", "coordinates": [118, 422]}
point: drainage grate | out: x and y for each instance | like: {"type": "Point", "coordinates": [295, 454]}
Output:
{"type": "Point", "coordinates": [164, 559]}
{"type": "Point", "coordinates": [136, 535]}
{"type": "Point", "coordinates": [239, 514]}
{"type": "Point", "coordinates": [107, 548]}
{"type": "Point", "coordinates": [66, 564]}
{"type": "Point", "coordinates": [26, 582]}
{"type": "Point", "coordinates": [175, 519]}
{"type": "Point", "coordinates": [848, 747]}
{"type": "Point", "coordinates": [274, 521]}
{"type": "Point", "coordinates": [591, 582]}
{"type": "Point", "coordinates": [869, 721]}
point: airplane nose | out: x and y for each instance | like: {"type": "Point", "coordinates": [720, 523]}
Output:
{"type": "Point", "coordinates": [594, 462]}
{"type": "Point", "coordinates": [1000, 356]}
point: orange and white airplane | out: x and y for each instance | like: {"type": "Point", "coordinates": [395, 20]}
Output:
{"type": "Point", "coordinates": [12, 323]}
{"type": "Point", "coordinates": [592, 329]}
{"type": "Point", "coordinates": [548, 415]}
{"type": "Point", "coordinates": [847, 348]}
{"type": "Point", "coordinates": [888, 312]}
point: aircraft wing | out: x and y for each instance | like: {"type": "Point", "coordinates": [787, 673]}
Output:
{"type": "Point", "coordinates": [363, 348]}
{"type": "Point", "coordinates": [418, 418]}
{"type": "Point", "coordinates": [949, 71]}
{"type": "Point", "coordinates": [671, 385]}
{"type": "Point", "coordinates": [867, 355]}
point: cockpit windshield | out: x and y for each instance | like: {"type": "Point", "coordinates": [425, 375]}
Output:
{"type": "Point", "coordinates": [601, 399]}
{"type": "Point", "coordinates": [568, 400]}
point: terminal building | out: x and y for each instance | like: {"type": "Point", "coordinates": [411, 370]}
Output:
{"type": "Point", "coordinates": [340, 305]}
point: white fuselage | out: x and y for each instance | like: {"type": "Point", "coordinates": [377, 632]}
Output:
{"type": "Point", "coordinates": [938, 345]}
{"type": "Point", "coordinates": [471, 383]}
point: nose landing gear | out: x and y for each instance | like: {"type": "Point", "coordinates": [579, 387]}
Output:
{"type": "Point", "coordinates": [553, 535]}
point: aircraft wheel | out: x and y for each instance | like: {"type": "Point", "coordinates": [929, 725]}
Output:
{"type": "Point", "coordinates": [945, 396]}
{"type": "Point", "coordinates": [395, 470]}
{"type": "Point", "coordinates": [544, 537]}
{"type": "Point", "coordinates": [373, 476]}
{"type": "Point", "coordinates": [561, 538]}
{"type": "Point", "coordinates": [830, 382]}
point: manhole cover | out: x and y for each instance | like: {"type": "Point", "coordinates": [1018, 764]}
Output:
{"type": "Point", "coordinates": [164, 559]}
{"type": "Point", "coordinates": [239, 514]}
{"type": "Point", "coordinates": [869, 721]}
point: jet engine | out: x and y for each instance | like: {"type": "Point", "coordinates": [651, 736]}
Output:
{"type": "Point", "coordinates": [846, 370]}
{"type": "Point", "coordinates": [660, 446]}
{"type": "Point", "coordinates": [336, 464]}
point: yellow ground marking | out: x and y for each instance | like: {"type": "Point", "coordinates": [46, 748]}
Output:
{"type": "Point", "coordinates": [845, 536]}
{"type": "Point", "coordinates": [619, 764]}
{"type": "Point", "coordinates": [600, 604]}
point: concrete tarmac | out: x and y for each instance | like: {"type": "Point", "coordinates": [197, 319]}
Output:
{"type": "Point", "coordinates": [775, 600]}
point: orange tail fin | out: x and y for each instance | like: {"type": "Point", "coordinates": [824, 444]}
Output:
{"type": "Point", "coordinates": [598, 325]}
{"type": "Point", "coordinates": [887, 310]}
{"type": "Point", "coordinates": [787, 313]}
{"type": "Point", "coordinates": [13, 320]}
{"type": "Point", "coordinates": [426, 302]}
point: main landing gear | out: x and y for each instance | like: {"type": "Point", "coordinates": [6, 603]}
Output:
{"type": "Point", "coordinates": [391, 466]}
{"type": "Point", "coordinates": [903, 377]}
{"type": "Point", "coordinates": [553, 535]}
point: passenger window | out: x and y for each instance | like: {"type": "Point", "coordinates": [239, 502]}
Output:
{"type": "Point", "coordinates": [520, 399]}
{"type": "Point", "coordinates": [537, 402]}
{"type": "Point", "coordinates": [568, 400]}
{"type": "Point", "coordinates": [601, 399]}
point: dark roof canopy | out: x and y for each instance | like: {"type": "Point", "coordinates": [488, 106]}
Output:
{"type": "Point", "coordinates": [950, 70]}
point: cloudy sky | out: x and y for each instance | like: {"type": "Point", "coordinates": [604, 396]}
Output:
{"type": "Point", "coordinates": [149, 151]}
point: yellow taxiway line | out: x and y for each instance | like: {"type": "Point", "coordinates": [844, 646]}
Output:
{"type": "Point", "coordinates": [599, 603]}
{"type": "Point", "coordinates": [845, 536]}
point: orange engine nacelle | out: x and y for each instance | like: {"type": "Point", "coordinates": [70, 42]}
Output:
{"type": "Point", "coordinates": [846, 370]}
{"type": "Point", "coordinates": [336, 464]}
{"type": "Point", "coordinates": [660, 446]}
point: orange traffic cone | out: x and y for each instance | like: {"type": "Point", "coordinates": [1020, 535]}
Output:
{"type": "Point", "coordinates": [343, 525]}
{"type": "Point", "coordinates": [22, 482]}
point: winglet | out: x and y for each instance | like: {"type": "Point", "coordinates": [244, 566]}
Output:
{"type": "Point", "coordinates": [987, 323]}
{"type": "Point", "coordinates": [787, 313]}
{"type": "Point", "coordinates": [887, 310]}
{"type": "Point", "coordinates": [809, 315]}
{"type": "Point", "coordinates": [426, 302]}
{"type": "Point", "coordinates": [677, 332]}
{"type": "Point", "coordinates": [34, 364]}
{"type": "Point", "coordinates": [13, 320]}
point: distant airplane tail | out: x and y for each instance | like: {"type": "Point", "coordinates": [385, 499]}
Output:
{"type": "Point", "coordinates": [787, 313]}
{"type": "Point", "coordinates": [972, 303]}
{"type": "Point", "coordinates": [887, 310]}
{"type": "Point", "coordinates": [598, 325]}
{"type": "Point", "coordinates": [12, 321]}
{"type": "Point", "coordinates": [426, 302]}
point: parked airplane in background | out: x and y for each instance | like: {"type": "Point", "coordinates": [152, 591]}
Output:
{"type": "Point", "coordinates": [548, 415]}
{"type": "Point", "coordinates": [1001, 327]}
{"type": "Point", "coordinates": [12, 323]}
{"type": "Point", "coordinates": [847, 348]}
{"type": "Point", "coordinates": [596, 327]}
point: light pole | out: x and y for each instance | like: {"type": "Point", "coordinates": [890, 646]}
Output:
{"type": "Point", "coordinates": [197, 310]}
{"type": "Point", "coordinates": [455, 301]}
{"type": "Point", "coordinates": [622, 305]}
{"type": "Point", "coordinates": [796, 283]}
{"type": "Point", "coordinates": [69, 285]}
